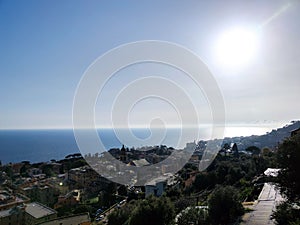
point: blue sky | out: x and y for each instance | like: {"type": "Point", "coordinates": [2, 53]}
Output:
{"type": "Point", "coordinates": [45, 47]}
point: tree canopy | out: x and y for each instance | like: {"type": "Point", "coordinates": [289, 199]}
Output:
{"type": "Point", "coordinates": [288, 158]}
{"type": "Point", "coordinates": [224, 205]}
{"type": "Point", "coordinates": [152, 210]}
{"type": "Point", "coordinates": [193, 215]}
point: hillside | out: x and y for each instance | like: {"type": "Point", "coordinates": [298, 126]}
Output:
{"type": "Point", "coordinates": [270, 139]}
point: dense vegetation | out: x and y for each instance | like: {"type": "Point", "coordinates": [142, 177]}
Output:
{"type": "Point", "coordinates": [288, 157]}
{"type": "Point", "coordinates": [219, 191]}
{"type": "Point", "coordinates": [224, 206]}
{"type": "Point", "coordinates": [148, 211]}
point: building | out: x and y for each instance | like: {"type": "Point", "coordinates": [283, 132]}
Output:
{"type": "Point", "coordinates": [35, 172]}
{"type": "Point", "coordinates": [70, 199]}
{"type": "Point", "coordinates": [139, 162]}
{"type": "Point", "coordinates": [82, 176]}
{"type": "Point", "coordinates": [158, 185]}
{"type": "Point", "coordinates": [80, 219]}
{"type": "Point", "coordinates": [13, 216]}
{"type": "Point", "coordinates": [87, 179]}
{"type": "Point", "coordinates": [27, 214]}
{"type": "Point", "coordinates": [155, 187]}
{"type": "Point", "coordinates": [43, 193]}
{"type": "Point", "coordinates": [195, 158]}
{"type": "Point", "coordinates": [123, 155]}
{"type": "Point", "coordinates": [57, 168]}
{"type": "Point", "coordinates": [8, 200]}
{"type": "Point", "coordinates": [36, 213]}
{"type": "Point", "coordinates": [230, 149]}
{"type": "Point", "coordinates": [153, 158]}
{"type": "Point", "coordinates": [16, 168]}
{"type": "Point", "coordinates": [272, 172]}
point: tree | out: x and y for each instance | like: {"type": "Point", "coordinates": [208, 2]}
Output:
{"type": "Point", "coordinates": [204, 180]}
{"type": "Point", "coordinates": [266, 151]}
{"type": "Point", "coordinates": [224, 206]}
{"type": "Point", "coordinates": [23, 170]}
{"type": "Point", "coordinates": [183, 203]}
{"type": "Point", "coordinates": [82, 209]}
{"type": "Point", "coordinates": [226, 146]}
{"type": "Point", "coordinates": [108, 196]}
{"type": "Point", "coordinates": [121, 216]}
{"type": "Point", "coordinates": [122, 190]}
{"type": "Point", "coordinates": [288, 158]}
{"type": "Point", "coordinates": [153, 210]}
{"type": "Point", "coordinates": [193, 215]}
{"type": "Point", "coordinates": [254, 150]}
{"type": "Point", "coordinates": [47, 169]}
{"type": "Point", "coordinates": [173, 193]}
{"type": "Point", "coordinates": [286, 214]}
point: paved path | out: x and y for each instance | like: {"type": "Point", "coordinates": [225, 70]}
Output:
{"type": "Point", "coordinates": [267, 200]}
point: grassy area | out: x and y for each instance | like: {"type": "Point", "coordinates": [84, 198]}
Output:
{"type": "Point", "coordinates": [92, 200]}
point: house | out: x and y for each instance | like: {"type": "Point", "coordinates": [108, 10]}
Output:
{"type": "Point", "coordinates": [79, 219]}
{"type": "Point", "coordinates": [27, 214]}
{"type": "Point", "coordinates": [272, 172]}
{"type": "Point", "coordinates": [35, 172]}
{"type": "Point", "coordinates": [139, 162]}
{"type": "Point", "coordinates": [13, 216]}
{"type": "Point", "coordinates": [36, 213]}
{"type": "Point", "coordinates": [229, 149]}
{"type": "Point", "coordinates": [82, 176]}
{"type": "Point", "coordinates": [158, 185]}
{"type": "Point", "coordinates": [70, 199]}
{"type": "Point", "coordinates": [155, 187]}
{"type": "Point", "coordinates": [8, 200]}
{"type": "Point", "coordinates": [43, 193]}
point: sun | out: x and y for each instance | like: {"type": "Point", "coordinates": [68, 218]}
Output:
{"type": "Point", "coordinates": [236, 47]}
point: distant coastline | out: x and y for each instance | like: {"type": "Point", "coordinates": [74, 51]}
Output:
{"type": "Point", "coordinates": [42, 145]}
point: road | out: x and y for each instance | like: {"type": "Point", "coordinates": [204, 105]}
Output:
{"type": "Point", "coordinates": [267, 200]}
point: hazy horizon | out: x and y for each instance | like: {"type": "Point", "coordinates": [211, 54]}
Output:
{"type": "Point", "coordinates": [231, 130]}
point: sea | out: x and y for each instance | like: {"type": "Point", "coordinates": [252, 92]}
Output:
{"type": "Point", "coordinates": [45, 145]}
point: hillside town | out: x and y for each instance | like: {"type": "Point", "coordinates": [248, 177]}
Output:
{"type": "Point", "coordinates": [70, 191]}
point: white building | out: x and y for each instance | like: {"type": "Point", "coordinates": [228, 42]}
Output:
{"type": "Point", "coordinates": [158, 185]}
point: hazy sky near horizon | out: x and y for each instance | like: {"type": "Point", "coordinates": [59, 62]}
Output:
{"type": "Point", "coordinates": [46, 46]}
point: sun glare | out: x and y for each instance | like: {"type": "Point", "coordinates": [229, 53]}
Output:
{"type": "Point", "coordinates": [236, 47]}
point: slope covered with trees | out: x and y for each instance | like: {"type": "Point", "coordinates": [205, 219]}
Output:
{"type": "Point", "coordinates": [288, 157]}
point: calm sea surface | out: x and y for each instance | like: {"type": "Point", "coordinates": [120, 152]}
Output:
{"type": "Point", "coordinates": [44, 145]}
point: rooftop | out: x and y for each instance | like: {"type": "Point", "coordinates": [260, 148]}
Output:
{"type": "Point", "coordinates": [7, 199]}
{"type": "Point", "coordinates": [73, 219]}
{"type": "Point", "coordinates": [4, 213]}
{"type": "Point", "coordinates": [140, 162]}
{"type": "Point", "coordinates": [38, 210]}
{"type": "Point", "coordinates": [164, 178]}
{"type": "Point", "coordinates": [271, 172]}
{"type": "Point", "coordinates": [13, 210]}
